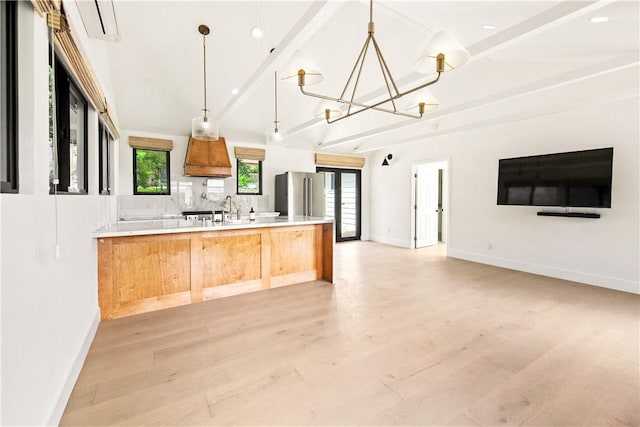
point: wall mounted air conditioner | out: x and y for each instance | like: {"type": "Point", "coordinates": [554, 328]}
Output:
{"type": "Point", "coordinates": [99, 19]}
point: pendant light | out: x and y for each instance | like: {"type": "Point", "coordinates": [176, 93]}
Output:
{"type": "Point", "coordinates": [443, 53]}
{"type": "Point", "coordinates": [276, 135]}
{"type": "Point", "coordinates": [201, 127]}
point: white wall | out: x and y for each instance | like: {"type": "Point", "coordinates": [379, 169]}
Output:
{"type": "Point", "coordinates": [49, 305]}
{"type": "Point", "coordinates": [601, 252]}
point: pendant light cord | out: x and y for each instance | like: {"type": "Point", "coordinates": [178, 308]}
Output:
{"type": "Point", "coordinates": [54, 139]}
{"type": "Point", "coordinates": [275, 80]}
{"type": "Point", "coordinates": [204, 57]}
{"type": "Point", "coordinates": [54, 131]}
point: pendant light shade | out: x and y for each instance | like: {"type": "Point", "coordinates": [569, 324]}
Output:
{"type": "Point", "coordinates": [423, 101]}
{"type": "Point", "coordinates": [205, 129]}
{"type": "Point", "coordinates": [276, 136]}
{"type": "Point", "coordinates": [301, 61]}
{"type": "Point", "coordinates": [455, 55]}
{"type": "Point", "coordinates": [328, 110]}
{"type": "Point", "coordinates": [201, 127]}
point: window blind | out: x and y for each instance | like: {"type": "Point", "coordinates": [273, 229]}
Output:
{"type": "Point", "coordinates": [150, 143]}
{"type": "Point", "coordinates": [246, 153]}
{"type": "Point", "coordinates": [80, 68]}
{"type": "Point", "coordinates": [339, 161]}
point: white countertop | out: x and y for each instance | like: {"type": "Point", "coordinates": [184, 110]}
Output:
{"type": "Point", "coordinates": [167, 226]}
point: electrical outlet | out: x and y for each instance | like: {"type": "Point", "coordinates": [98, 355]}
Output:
{"type": "Point", "coordinates": [490, 246]}
{"type": "Point", "coordinates": [388, 231]}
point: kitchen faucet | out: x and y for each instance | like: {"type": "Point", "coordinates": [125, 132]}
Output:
{"type": "Point", "coordinates": [204, 195]}
{"type": "Point", "coordinates": [230, 206]}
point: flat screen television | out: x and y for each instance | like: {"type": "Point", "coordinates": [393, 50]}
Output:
{"type": "Point", "coordinates": [573, 179]}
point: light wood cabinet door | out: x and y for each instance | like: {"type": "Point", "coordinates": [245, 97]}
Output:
{"type": "Point", "coordinates": [292, 251]}
{"type": "Point", "coordinates": [231, 258]}
{"type": "Point", "coordinates": [144, 269]}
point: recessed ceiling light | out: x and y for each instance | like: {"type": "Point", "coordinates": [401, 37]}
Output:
{"type": "Point", "coordinates": [235, 91]}
{"type": "Point", "coordinates": [489, 27]}
{"type": "Point", "coordinates": [599, 19]}
{"type": "Point", "coordinates": [256, 33]}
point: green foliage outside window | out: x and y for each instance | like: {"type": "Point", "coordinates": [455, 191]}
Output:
{"type": "Point", "coordinates": [249, 177]}
{"type": "Point", "coordinates": [151, 172]}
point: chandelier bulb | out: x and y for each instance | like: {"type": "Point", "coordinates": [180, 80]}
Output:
{"type": "Point", "coordinates": [440, 63]}
{"type": "Point", "coordinates": [301, 74]}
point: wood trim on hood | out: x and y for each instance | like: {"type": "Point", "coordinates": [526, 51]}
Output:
{"type": "Point", "coordinates": [207, 158]}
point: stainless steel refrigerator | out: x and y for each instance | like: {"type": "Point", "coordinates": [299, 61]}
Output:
{"type": "Point", "coordinates": [300, 193]}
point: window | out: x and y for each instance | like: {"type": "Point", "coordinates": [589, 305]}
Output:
{"type": "Point", "coordinates": [71, 126]}
{"type": "Point", "coordinates": [249, 176]}
{"type": "Point", "coordinates": [104, 163]}
{"type": "Point", "coordinates": [8, 98]}
{"type": "Point", "coordinates": [151, 172]}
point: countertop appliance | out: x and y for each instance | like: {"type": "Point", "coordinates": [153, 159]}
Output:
{"type": "Point", "coordinates": [300, 193]}
{"type": "Point", "coordinates": [198, 215]}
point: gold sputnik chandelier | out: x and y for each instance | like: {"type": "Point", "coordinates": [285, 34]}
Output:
{"type": "Point", "coordinates": [443, 53]}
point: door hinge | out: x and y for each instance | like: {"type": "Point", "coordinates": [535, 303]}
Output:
{"type": "Point", "coordinates": [415, 207]}
{"type": "Point", "coordinates": [415, 238]}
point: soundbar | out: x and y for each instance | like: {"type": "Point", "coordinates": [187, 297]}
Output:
{"type": "Point", "coordinates": [570, 214]}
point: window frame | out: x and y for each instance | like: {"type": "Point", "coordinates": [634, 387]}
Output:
{"type": "Point", "coordinates": [259, 192]}
{"type": "Point", "coordinates": [9, 73]}
{"type": "Point", "coordinates": [65, 85]}
{"type": "Point", "coordinates": [104, 150]}
{"type": "Point", "coordinates": [135, 173]}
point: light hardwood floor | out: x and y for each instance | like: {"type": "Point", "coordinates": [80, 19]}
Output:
{"type": "Point", "coordinates": [404, 337]}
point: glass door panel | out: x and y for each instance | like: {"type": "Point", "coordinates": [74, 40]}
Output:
{"type": "Point", "coordinates": [342, 201]}
{"type": "Point", "coordinates": [348, 209]}
{"type": "Point", "coordinates": [329, 194]}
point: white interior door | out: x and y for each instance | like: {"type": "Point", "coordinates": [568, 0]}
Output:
{"type": "Point", "coordinates": [426, 206]}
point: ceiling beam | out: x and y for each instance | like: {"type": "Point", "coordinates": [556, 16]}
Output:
{"type": "Point", "coordinates": [596, 70]}
{"type": "Point", "coordinates": [618, 96]}
{"type": "Point", "coordinates": [537, 24]}
{"type": "Point", "coordinates": [533, 26]}
{"type": "Point", "coordinates": [574, 76]}
{"type": "Point", "coordinates": [309, 23]}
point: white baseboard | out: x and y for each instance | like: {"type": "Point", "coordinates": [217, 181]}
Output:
{"type": "Point", "coordinates": [544, 270]}
{"type": "Point", "coordinates": [391, 241]}
{"type": "Point", "coordinates": [74, 372]}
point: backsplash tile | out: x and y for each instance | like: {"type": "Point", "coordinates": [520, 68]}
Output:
{"type": "Point", "coordinates": [187, 193]}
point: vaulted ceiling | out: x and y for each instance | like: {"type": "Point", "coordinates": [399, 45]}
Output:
{"type": "Point", "coordinates": [542, 57]}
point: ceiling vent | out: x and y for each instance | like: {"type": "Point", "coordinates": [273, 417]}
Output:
{"type": "Point", "coordinates": [99, 19]}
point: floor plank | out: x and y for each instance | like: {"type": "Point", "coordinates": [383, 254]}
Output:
{"type": "Point", "coordinates": [404, 337]}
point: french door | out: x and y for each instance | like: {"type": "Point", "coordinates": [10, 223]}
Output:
{"type": "Point", "coordinates": [342, 201]}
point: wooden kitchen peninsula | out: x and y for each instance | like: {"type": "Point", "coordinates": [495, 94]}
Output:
{"type": "Point", "coordinates": [149, 266]}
